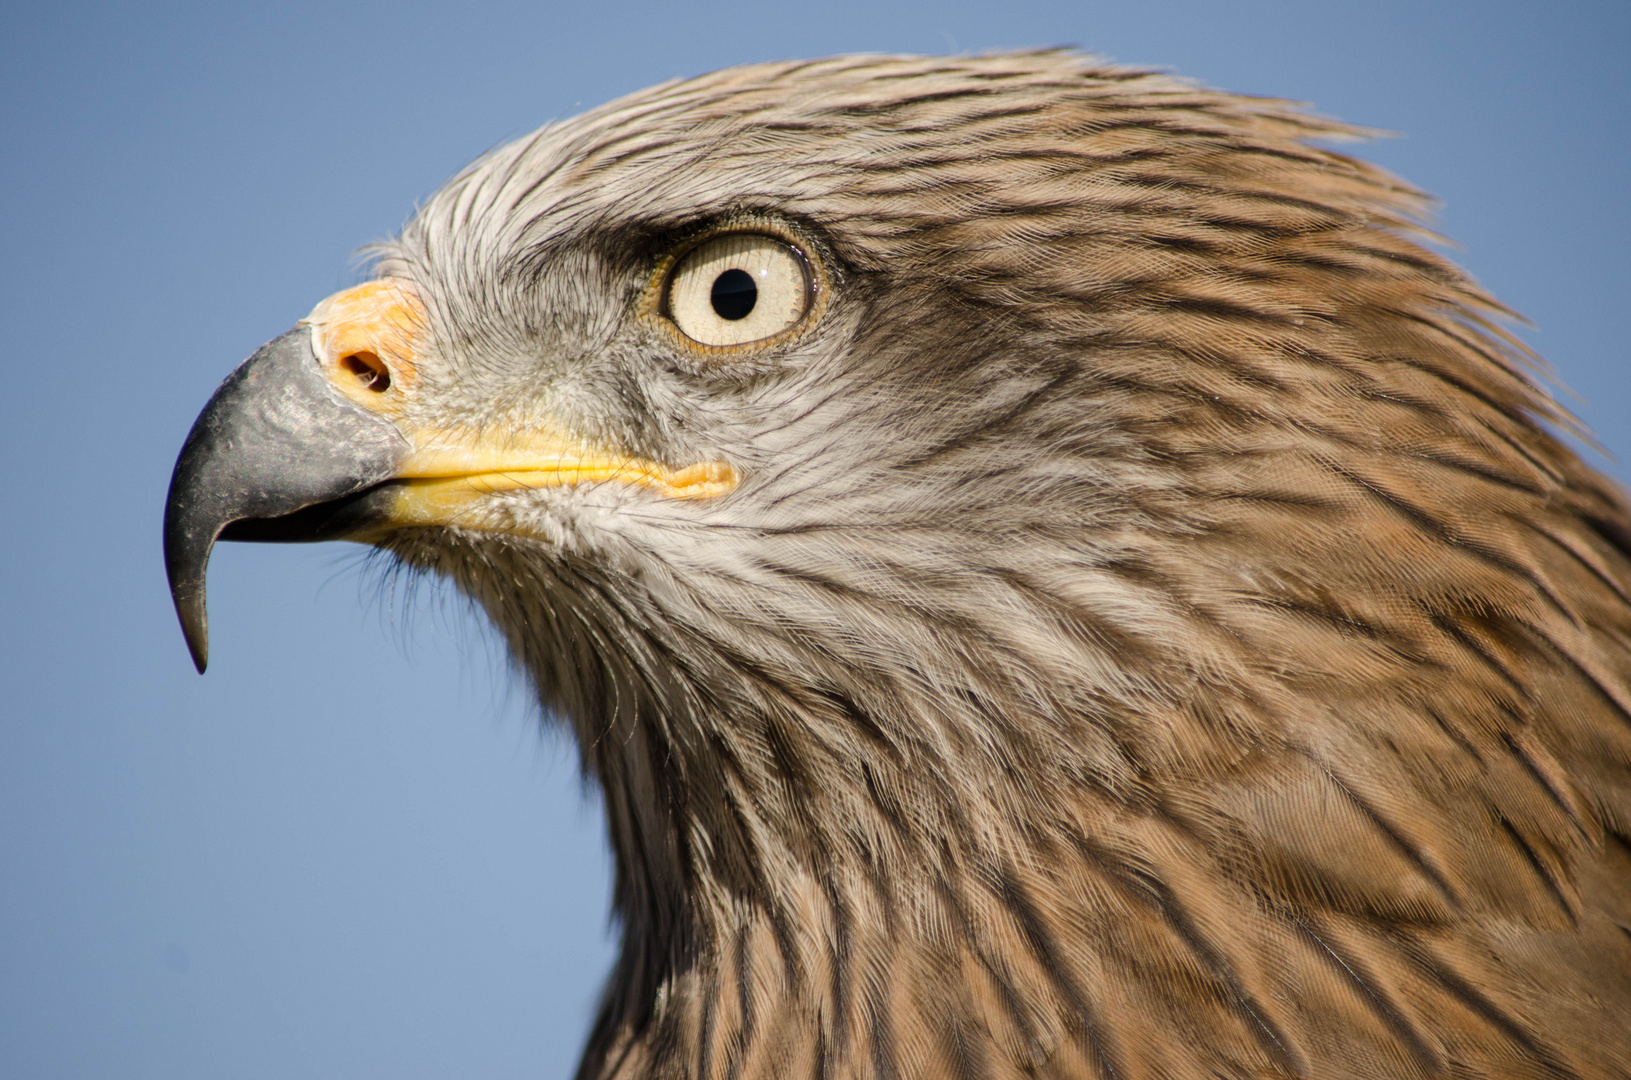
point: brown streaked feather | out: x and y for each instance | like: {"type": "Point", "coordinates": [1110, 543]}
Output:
{"type": "Point", "coordinates": [1161, 634]}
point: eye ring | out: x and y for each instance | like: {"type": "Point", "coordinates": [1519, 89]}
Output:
{"type": "Point", "coordinates": [743, 286]}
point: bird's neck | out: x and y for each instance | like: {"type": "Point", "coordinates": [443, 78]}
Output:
{"type": "Point", "coordinates": [814, 904]}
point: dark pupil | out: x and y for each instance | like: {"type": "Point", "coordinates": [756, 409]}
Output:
{"type": "Point", "coordinates": [734, 294]}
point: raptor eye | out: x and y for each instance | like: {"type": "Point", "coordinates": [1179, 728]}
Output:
{"type": "Point", "coordinates": [738, 288]}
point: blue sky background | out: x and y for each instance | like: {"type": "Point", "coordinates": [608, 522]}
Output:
{"type": "Point", "coordinates": [347, 851]}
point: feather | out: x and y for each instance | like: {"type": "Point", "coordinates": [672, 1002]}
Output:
{"type": "Point", "coordinates": [1160, 632]}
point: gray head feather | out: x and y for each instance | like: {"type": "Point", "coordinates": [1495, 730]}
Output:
{"type": "Point", "coordinates": [1156, 633]}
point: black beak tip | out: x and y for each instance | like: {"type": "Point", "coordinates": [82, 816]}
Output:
{"type": "Point", "coordinates": [185, 566]}
{"type": "Point", "coordinates": [194, 620]}
{"type": "Point", "coordinates": [197, 631]}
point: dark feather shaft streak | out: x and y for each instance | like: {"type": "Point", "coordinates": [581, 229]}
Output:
{"type": "Point", "coordinates": [1159, 633]}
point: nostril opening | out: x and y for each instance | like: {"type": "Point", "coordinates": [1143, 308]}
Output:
{"type": "Point", "coordinates": [369, 371]}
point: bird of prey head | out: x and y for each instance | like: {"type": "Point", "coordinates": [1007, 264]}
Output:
{"type": "Point", "coordinates": [1051, 578]}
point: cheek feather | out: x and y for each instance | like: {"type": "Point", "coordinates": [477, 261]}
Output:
{"type": "Point", "coordinates": [1093, 597]}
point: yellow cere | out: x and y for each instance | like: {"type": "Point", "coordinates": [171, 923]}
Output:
{"type": "Point", "coordinates": [365, 338]}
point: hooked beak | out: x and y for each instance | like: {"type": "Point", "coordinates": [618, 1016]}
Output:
{"type": "Point", "coordinates": [311, 439]}
{"type": "Point", "coordinates": [275, 440]}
